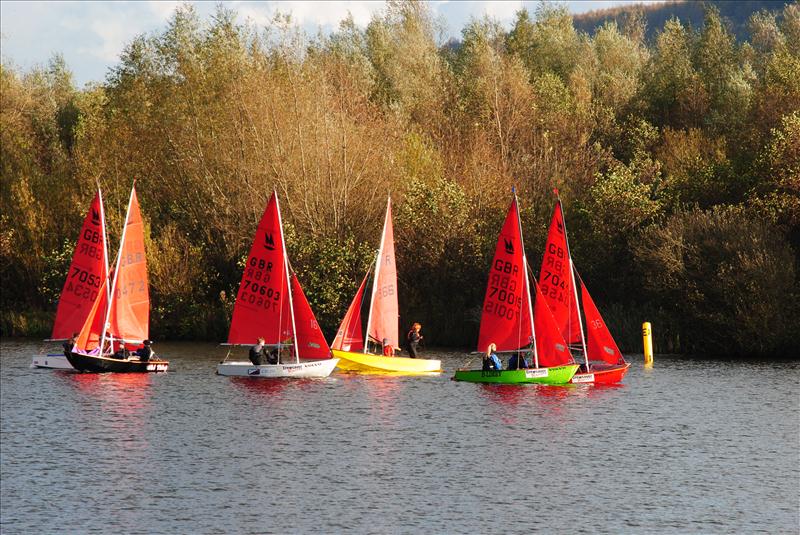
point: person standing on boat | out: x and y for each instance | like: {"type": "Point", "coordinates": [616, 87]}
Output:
{"type": "Point", "coordinates": [257, 353]}
{"type": "Point", "coordinates": [414, 338]}
{"type": "Point", "coordinates": [490, 360]}
{"type": "Point", "coordinates": [69, 344]}
{"type": "Point", "coordinates": [145, 352]}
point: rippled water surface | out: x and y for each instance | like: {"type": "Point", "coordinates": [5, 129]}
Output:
{"type": "Point", "coordinates": [688, 447]}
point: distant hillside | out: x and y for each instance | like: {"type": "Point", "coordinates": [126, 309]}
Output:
{"type": "Point", "coordinates": [690, 13]}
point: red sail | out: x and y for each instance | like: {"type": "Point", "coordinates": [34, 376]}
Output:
{"type": "Point", "coordinates": [130, 300]}
{"type": "Point", "coordinates": [262, 304]}
{"type": "Point", "coordinates": [349, 336]}
{"type": "Point", "coordinates": [505, 320]}
{"type": "Point", "coordinates": [92, 328]}
{"type": "Point", "coordinates": [86, 274]}
{"type": "Point", "coordinates": [600, 345]}
{"type": "Point", "coordinates": [311, 343]}
{"type": "Point", "coordinates": [550, 345]}
{"type": "Point", "coordinates": [555, 280]}
{"type": "Point", "coordinates": [384, 313]}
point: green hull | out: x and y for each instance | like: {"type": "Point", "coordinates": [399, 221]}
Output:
{"type": "Point", "coordinates": [557, 375]}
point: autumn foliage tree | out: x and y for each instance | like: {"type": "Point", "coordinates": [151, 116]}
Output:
{"type": "Point", "coordinates": [676, 159]}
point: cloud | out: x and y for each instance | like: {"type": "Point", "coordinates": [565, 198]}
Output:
{"type": "Point", "coordinates": [310, 14]}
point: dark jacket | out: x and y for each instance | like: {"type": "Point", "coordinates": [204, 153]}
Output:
{"type": "Point", "coordinates": [257, 354]}
{"type": "Point", "coordinates": [518, 362]}
{"type": "Point", "coordinates": [145, 353]}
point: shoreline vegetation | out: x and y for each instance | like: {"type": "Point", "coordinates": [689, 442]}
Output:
{"type": "Point", "coordinates": [677, 158]}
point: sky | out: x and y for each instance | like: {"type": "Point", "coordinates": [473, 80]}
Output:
{"type": "Point", "coordinates": [91, 35]}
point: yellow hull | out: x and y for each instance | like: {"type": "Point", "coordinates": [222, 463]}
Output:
{"type": "Point", "coordinates": [366, 363]}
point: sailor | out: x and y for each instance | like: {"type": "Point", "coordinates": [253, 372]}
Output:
{"type": "Point", "coordinates": [145, 352]}
{"type": "Point", "coordinates": [388, 349]}
{"type": "Point", "coordinates": [257, 353]}
{"type": "Point", "coordinates": [490, 360]}
{"type": "Point", "coordinates": [518, 361]}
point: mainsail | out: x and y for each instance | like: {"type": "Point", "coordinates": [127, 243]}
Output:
{"type": "Point", "coordinates": [87, 274]}
{"type": "Point", "coordinates": [349, 337]}
{"type": "Point", "coordinates": [600, 345]}
{"type": "Point", "coordinates": [505, 319]}
{"type": "Point", "coordinates": [384, 311]}
{"type": "Point", "coordinates": [262, 307]}
{"type": "Point", "coordinates": [556, 280]}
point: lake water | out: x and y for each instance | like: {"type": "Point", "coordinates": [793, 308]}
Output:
{"type": "Point", "coordinates": [691, 446]}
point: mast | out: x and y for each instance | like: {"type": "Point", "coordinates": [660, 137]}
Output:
{"type": "Point", "coordinates": [288, 285]}
{"type": "Point", "coordinates": [572, 279]}
{"type": "Point", "coordinates": [375, 276]}
{"type": "Point", "coordinates": [116, 274]}
{"type": "Point", "coordinates": [527, 281]}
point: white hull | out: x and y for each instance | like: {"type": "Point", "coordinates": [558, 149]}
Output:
{"type": "Point", "coordinates": [54, 361]}
{"type": "Point", "coordinates": [313, 368]}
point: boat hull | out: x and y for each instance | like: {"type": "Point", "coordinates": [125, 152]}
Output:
{"type": "Point", "coordinates": [52, 361]}
{"type": "Point", "coordinates": [366, 363]}
{"type": "Point", "coordinates": [309, 369]}
{"type": "Point", "coordinates": [602, 375]}
{"type": "Point", "coordinates": [98, 364]}
{"type": "Point", "coordinates": [556, 375]}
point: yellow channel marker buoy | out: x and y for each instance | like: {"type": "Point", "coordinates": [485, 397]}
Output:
{"type": "Point", "coordinates": [647, 336]}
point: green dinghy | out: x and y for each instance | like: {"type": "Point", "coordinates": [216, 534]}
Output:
{"type": "Point", "coordinates": [556, 375]}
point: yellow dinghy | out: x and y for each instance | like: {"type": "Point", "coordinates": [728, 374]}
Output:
{"type": "Point", "coordinates": [365, 362]}
{"type": "Point", "coordinates": [351, 345]}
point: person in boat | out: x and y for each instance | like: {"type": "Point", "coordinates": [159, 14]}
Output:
{"type": "Point", "coordinates": [258, 353]}
{"type": "Point", "coordinates": [414, 338]}
{"type": "Point", "coordinates": [518, 361]}
{"type": "Point", "coordinates": [272, 355]}
{"type": "Point", "coordinates": [69, 344]}
{"type": "Point", "coordinates": [388, 348]}
{"type": "Point", "coordinates": [145, 352]}
{"type": "Point", "coordinates": [490, 359]}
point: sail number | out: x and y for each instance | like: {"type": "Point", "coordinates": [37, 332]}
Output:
{"type": "Point", "coordinates": [502, 298]}
{"type": "Point", "coordinates": [84, 276]}
{"type": "Point", "coordinates": [553, 283]}
{"type": "Point", "coordinates": [130, 287]}
{"type": "Point", "coordinates": [92, 236]}
{"type": "Point", "coordinates": [260, 289]}
{"type": "Point", "coordinates": [259, 269]}
{"type": "Point", "coordinates": [553, 287]}
{"type": "Point", "coordinates": [83, 291]}
{"type": "Point", "coordinates": [91, 251]}
{"type": "Point", "coordinates": [385, 291]}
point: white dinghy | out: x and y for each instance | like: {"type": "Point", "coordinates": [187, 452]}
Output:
{"type": "Point", "coordinates": [271, 306]}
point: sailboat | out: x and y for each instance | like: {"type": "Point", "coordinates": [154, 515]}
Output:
{"type": "Point", "coordinates": [87, 273]}
{"type": "Point", "coordinates": [507, 318]}
{"type": "Point", "coordinates": [271, 305]}
{"type": "Point", "coordinates": [602, 360]}
{"type": "Point", "coordinates": [120, 317]}
{"type": "Point", "coordinates": [351, 346]}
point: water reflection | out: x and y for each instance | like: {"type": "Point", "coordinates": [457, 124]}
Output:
{"type": "Point", "coordinates": [260, 387]}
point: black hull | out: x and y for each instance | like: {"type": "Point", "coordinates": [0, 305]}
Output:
{"type": "Point", "coordinates": [97, 364]}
